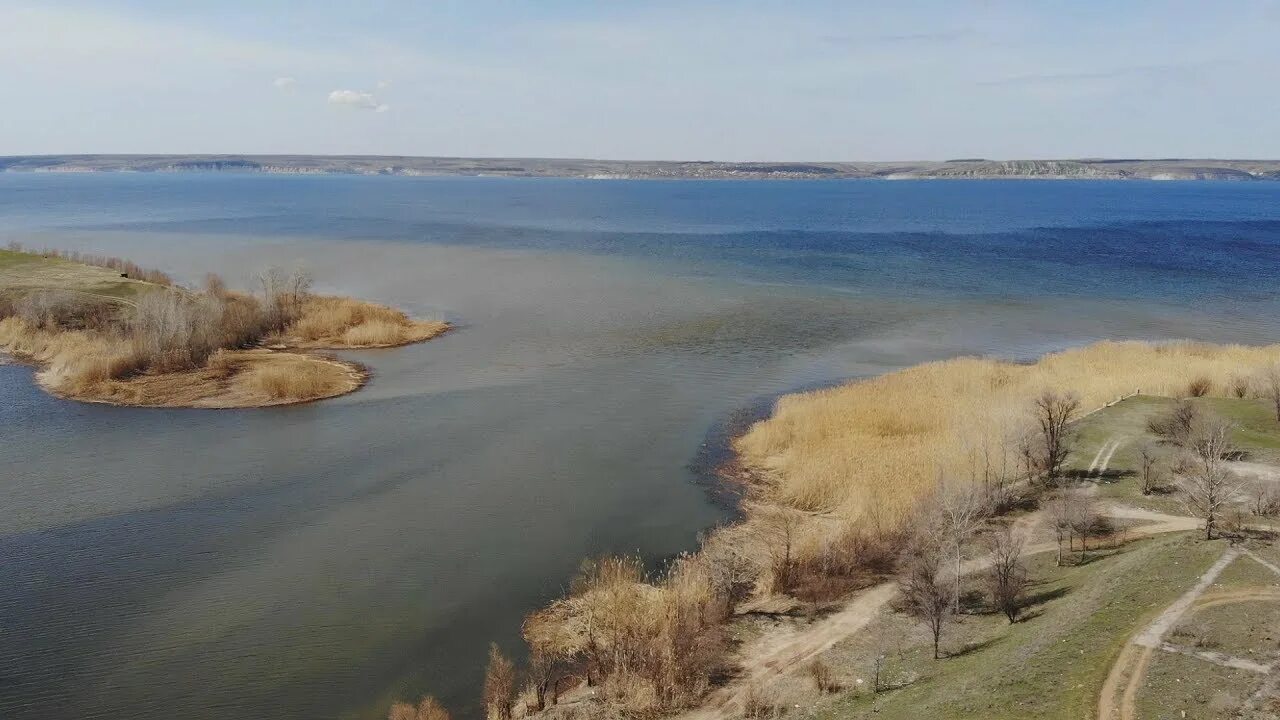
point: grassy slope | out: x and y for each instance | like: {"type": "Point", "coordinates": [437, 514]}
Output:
{"type": "Point", "coordinates": [23, 272]}
{"type": "Point", "coordinates": [1052, 664]}
{"type": "Point", "coordinates": [1257, 433]}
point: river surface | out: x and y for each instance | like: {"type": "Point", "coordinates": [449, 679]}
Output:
{"type": "Point", "coordinates": [323, 560]}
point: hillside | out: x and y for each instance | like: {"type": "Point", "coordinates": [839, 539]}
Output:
{"type": "Point", "coordinates": [973, 168]}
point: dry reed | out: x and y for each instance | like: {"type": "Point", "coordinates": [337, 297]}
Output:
{"type": "Point", "coordinates": [337, 322]}
{"type": "Point", "coordinates": [879, 445]}
{"type": "Point", "coordinates": [303, 379]}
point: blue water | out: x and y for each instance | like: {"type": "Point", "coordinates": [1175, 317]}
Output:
{"type": "Point", "coordinates": [321, 561]}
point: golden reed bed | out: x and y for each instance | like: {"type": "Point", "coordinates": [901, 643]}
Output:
{"type": "Point", "coordinates": [882, 443]}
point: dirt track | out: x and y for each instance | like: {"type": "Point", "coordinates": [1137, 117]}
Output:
{"type": "Point", "coordinates": [789, 650]}
{"type": "Point", "coordinates": [1130, 668]}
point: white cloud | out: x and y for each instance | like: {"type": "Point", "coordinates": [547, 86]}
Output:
{"type": "Point", "coordinates": [284, 83]}
{"type": "Point", "coordinates": [357, 99]}
{"type": "Point", "coordinates": [384, 84]}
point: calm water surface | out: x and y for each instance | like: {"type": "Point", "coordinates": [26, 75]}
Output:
{"type": "Point", "coordinates": [320, 561]}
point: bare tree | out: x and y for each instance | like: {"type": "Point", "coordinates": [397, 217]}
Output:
{"type": "Point", "coordinates": [1007, 577]}
{"type": "Point", "coordinates": [1058, 512]}
{"type": "Point", "coordinates": [1086, 519]}
{"type": "Point", "coordinates": [1147, 458]}
{"type": "Point", "coordinates": [877, 671]}
{"type": "Point", "coordinates": [1054, 413]}
{"type": "Point", "coordinates": [961, 511]}
{"type": "Point", "coordinates": [926, 594]}
{"type": "Point", "coordinates": [1208, 488]}
{"type": "Point", "coordinates": [283, 295]}
{"type": "Point", "coordinates": [1269, 386]}
{"type": "Point", "coordinates": [1072, 513]}
{"type": "Point", "coordinates": [499, 685]}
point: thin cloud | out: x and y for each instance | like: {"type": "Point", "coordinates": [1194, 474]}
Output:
{"type": "Point", "coordinates": [943, 36]}
{"type": "Point", "coordinates": [284, 83]}
{"type": "Point", "coordinates": [1071, 77]}
{"type": "Point", "coordinates": [357, 100]}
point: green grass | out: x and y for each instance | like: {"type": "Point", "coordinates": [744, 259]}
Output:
{"type": "Point", "coordinates": [1051, 665]}
{"type": "Point", "coordinates": [9, 259]}
{"type": "Point", "coordinates": [1176, 684]}
{"type": "Point", "coordinates": [1257, 434]}
{"type": "Point", "coordinates": [22, 272]}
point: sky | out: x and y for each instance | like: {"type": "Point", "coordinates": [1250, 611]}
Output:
{"type": "Point", "coordinates": [661, 80]}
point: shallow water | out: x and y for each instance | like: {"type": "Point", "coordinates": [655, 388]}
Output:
{"type": "Point", "coordinates": [320, 561]}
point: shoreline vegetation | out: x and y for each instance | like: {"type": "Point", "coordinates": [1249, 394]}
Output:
{"type": "Point", "coordinates": [848, 488]}
{"type": "Point", "coordinates": [106, 330]}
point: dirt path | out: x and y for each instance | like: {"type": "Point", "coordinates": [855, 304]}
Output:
{"type": "Point", "coordinates": [1130, 669]}
{"type": "Point", "coordinates": [1103, 459]}
{"type": "Point", "coordinates": [782, 652]}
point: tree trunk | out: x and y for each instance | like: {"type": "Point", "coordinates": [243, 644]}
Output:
{"type": "Point", "coordinates": [956, 601]}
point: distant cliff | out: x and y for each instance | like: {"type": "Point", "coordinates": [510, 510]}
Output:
{"type": "Point", "coordinates": [969, 168]}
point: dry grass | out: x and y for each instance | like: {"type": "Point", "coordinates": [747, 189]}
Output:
{"type": "Point", "coordinates": [879, 445]}
{"type": "Point", "coordinates": [293, 378]}
{"type": "Point", "coordinates": [97, 367]}
{"type": "Point", "coordinates": [101, 338]}
{"type": "Point", "coordinates": [336, 323]}
{"type": "Point", "coordinates": [650, 645]}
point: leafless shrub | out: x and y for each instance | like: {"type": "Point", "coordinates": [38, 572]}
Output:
{"type": "Point", "coordinates": [65, 310]}
{"type": "Point", "coordinates": [840, 563]}
{"type": "Point", "coordinates": [1239, 386]}
{"type": "Point", "coordinates": [1269, 386]}
{"type": "Point", "coordinates": [216, 287]}
{"type": "Point", "coordinates": [1178, 424]}
{"type": "Point", "coordinates": [649, 644]}
{"type": "Point", "coordinates": [1007, 577]}
{"type": "Point", "coordinates": [1265, 498]}
{"type": "Point", "coordinates": [1199, 386]}
{"type": "Point", "coordinates": [428, 709]}
{"type": "Point", "coordinates": [779, 529]}
{"type": "Point", "coordinates": [1148, 476]}
{"type": "Point", "coordinates": [282, 296]}
{"type": "Point", "coordinates": [822, 677]}
{"type": "Point", "coordinates": [499, 685]}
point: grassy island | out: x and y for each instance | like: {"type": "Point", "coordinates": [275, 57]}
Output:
{"type": "Point", "coordinates": [106, 330]}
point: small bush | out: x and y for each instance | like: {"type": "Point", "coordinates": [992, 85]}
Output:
{"type": "Point", "coordinates": [1199, 386]}
{"type": "Point", "coordinates": [759, 707]}
{"type": "Point", "coordinates": [1239, 386]}
{"type": "Point", "coordinates": [428, 709]}
{"type": "Point", "coordinates": [822, 677]}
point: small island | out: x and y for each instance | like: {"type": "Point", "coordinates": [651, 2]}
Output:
{"type": "Point", "coordinates": [105, 330]}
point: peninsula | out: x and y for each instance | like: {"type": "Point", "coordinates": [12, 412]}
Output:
{"type": "Point", "coordinates": [105, 330]}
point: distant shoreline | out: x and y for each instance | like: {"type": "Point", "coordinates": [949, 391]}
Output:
{"type": "Point", "coordinates": [964, 169]}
